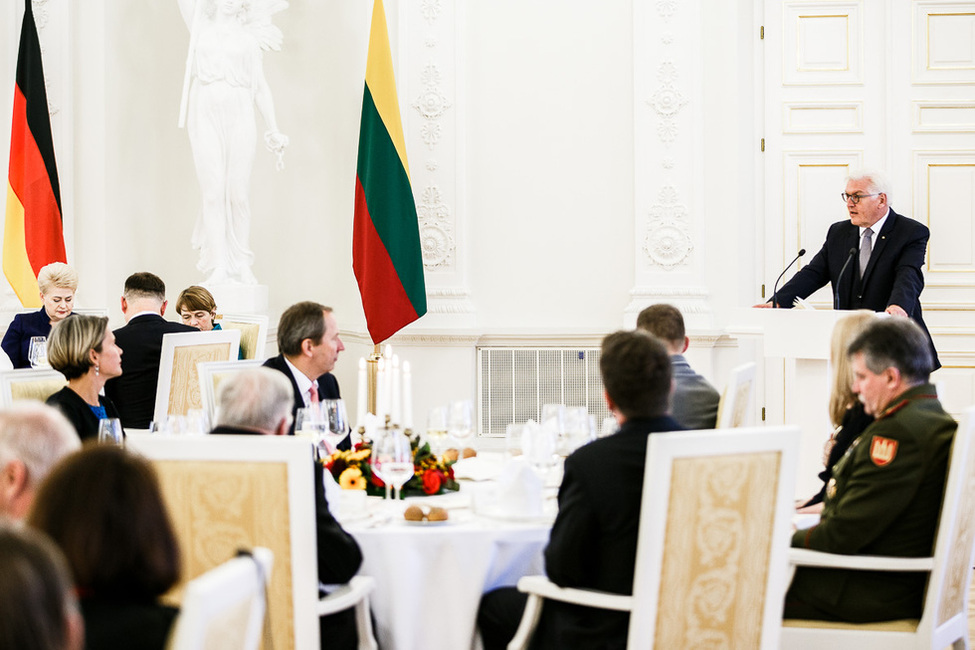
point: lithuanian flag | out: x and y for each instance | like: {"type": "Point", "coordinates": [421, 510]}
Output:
{"type": "Point", "coordinates": [386, 253]}
{"type": "Point", "coordinates": [32, 235]}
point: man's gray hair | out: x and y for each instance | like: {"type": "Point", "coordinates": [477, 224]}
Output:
{"type": "Point", "coordinates": [895, 342]}
{"type": "Point", "coordinates": [256, 398]}
{"type": "Point", "coordinates": [37, 435]}
{"type": "Point", "coordinates": [878, 183]}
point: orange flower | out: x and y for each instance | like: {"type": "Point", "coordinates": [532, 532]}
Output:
{"type": "Point", "coordinates": [351, 479]}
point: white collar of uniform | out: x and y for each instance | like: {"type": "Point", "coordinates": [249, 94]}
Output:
{"type": "Point", "coordinates": [304, 383]}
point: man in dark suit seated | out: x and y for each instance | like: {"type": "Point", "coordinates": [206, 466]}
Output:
{"type": "Point", "coordinates": [885, 494]}
{"type": "Point", "coordinates": [694, 402]}
{"type": "Point", "coordinates": [134, 392]}
{"type": "Point", "coordinates": [309, 343]}
{"type": "Point", "coordinates": [873, 260]}
{"type": "Point", "coordinates": [593, 540]}
{"type": "Point", "coordinates": [258, 401]}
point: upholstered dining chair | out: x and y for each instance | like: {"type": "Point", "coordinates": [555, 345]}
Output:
{"type": "Point", "coordinates": [29, 383]}
{"type": "Point", "coordinates": [944, 617]}
{"type": "Point", "coordinates": [178, 390]}
{"type": "Point", "coordinates": [225, 607]}
{"type": "Point", "coordinates": [253, 332]}
{"type": "Point", "coordinates": [715, 523]}
{"type": "Point", "coordinates": [733, 409]}
{"type": "Point", "coordinates": [229, 492]}
{"type": "Point", "coordinates": [211, 373]}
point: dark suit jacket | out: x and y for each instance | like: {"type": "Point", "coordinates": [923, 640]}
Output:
{"type": "Point", "coordinates": [328, 388]}
{"type": "Point", "coordinates": [134, 393]}
{"type": "Point", "coordinates": [79, 413]}
{"type": "Point", "coordinates": [16, 341]}
{"type": "Point", "coordinates": [893, 274]}
{"type": "Point", "coordinates": [115, 624]}
{"type": "Point", "coordinates": [594, 538]}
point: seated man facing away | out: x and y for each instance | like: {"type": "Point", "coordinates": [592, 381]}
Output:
{"type": "Point", "coordinates": [134, 392]}
{"type": "Point", "coordinates": [594, 538]}
{"type": "Point", "coordinates": [257, 401]}
{"type": "Point", "coordinates": [694, 403]}
{"type": "Point", "coordinates": [885, 494]}
{"type": "Point", "coordinates": [33, 438]}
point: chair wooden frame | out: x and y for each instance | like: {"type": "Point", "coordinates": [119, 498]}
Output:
{"type": "Point", "coordinates": [733, 408]}
{"type": "Point", "coordinates": [231, 595]}
{"type": "Point", "coordinates": [211, 373]}
{"type": "Point", "coordinates": [181, 352]}
{"type": "Point", "coordinates": [177, 458]}
{"type": "Point", "coordinates": [944, 617]}
{"type": "Point", "coordinates": [663, 450]}
{"type": "Point", "coordinates": [230, 321]}
{"type": "Point", "coordinates": [11, 380]}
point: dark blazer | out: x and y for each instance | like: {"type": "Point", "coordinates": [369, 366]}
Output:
{"type": "Point", "coordinates": [594, 538]}
{"type": "Point", "coordinates": [893, 275]}
{"type": "Point", "coordinates": [16, 341]}
{"type": "Point", "coordinates": [134, 393]}
{"type": "Point", "coordinates": [328, 388]}
{"type": "Point", "coordinates": [694, 403]}
{"type": "Point", "coordinates": [116, 624]}
{"type": "Point", "coordinates": [79, 413]}
{"type": "Point", "coordinates": [339, 557]}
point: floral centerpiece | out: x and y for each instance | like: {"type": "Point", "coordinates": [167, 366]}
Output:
{"type": "Point", "coordinates": [353, 471]}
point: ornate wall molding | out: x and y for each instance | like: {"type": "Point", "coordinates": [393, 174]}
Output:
{"type": "Point", "coordinates": [436, 229]}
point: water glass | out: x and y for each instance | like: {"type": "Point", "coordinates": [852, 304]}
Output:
{"type": "Point", "coordinates": [580, 429]}
{"type": "Point", "coordinates": [512, 440]}
{"type": "Point", "coordinates": [335, 422]}
{"type": "Point", "coordinates": [539, 445]}
{"type": "Point", "coordinates": [437, 428]}
{"type": "Point", "coordinates": [394, 454]}
{"type": "Point", "coordinates": [37, 353]}
{"type": "Point", "coordinates": [460, 420]}
{"type": "Point", "coordinates": [110, 431]}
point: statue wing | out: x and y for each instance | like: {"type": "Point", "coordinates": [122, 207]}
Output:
{"type": "Point", "coordinates": [260, 26]}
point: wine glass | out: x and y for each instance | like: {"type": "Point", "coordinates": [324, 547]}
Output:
{"type": "Point", "coordinates": [539, 445]}
{"type": "Point", "coordinates": [460, 421]}
{"type": "Point", "coordinates": [37, 353]}
{"type": "Point", "coordinates": [335, 422]}
{"type": "Point", "coordinates": [579, 428]}
{"type": "Point", "coordinates": [310, 424]}
{"type": "Point", "coordinates": [395, 457]}
{"type": "Point", "coordinates": [110, 431]}
{"type": "Point", "coordinates": [512, 440]}
{"type": "Point", "coordinates": [437, 428]}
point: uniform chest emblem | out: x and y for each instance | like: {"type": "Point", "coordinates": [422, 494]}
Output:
{"type": "Point", "coordinates": [882, 451]}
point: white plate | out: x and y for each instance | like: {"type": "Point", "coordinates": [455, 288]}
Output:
{"type": "Point", "coordinates": [426, 522]}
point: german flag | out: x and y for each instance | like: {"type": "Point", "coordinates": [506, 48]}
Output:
{"type": "Point", "coordinates": [32, 236]}
{"type": "Point", "coordinates": [386, 256]}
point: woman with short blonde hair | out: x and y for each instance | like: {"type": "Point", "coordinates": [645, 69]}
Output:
{"type": "Point", "coordinates": [57, 283]}
{"type": "Point", "coordinates": [83, 349]}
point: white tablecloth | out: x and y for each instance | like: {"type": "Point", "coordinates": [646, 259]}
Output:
{"type": "Point", "coordinates": [429, 579]}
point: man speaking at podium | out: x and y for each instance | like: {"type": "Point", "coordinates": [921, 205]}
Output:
{"type": "Point", "coordinates": [873, 261]}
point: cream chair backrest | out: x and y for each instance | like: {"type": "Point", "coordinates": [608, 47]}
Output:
{"type": "Point", "coordinates": [714, 532]}
{"type": "Point", "coordinates": [178, 390]}
{"type": "Point", "coordinates": [29, 383]}
{"type": "Point", "coordinates": [231, 492]}
{"type": "Point", "coordinates": [253, 332]}
{"type": "Point", "coordinates": [224, 607]}
{"type": "Point", "coordinates": [734, 409]}
{"type": "Point", "coordinates": [211, 373]}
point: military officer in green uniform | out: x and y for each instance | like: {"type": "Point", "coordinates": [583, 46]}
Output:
{"type": "Point", "coordinates": [885, 495]}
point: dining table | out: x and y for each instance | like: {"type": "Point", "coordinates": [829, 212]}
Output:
{"type": "Point", "coordinates": [430, 576]}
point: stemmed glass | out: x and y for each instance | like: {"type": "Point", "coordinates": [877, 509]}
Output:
{"type": "Point", "coordinates": [37, 353]}
{"type": "Point", "coordinates": [437, 428]}
{"type": "Point", "coordinates": [110, 431]}
{"type": "Point", "coordinates": [460, 421]}
{"type": "Point", "coordinates": [395, 457]}
{"type": "Point", "coordinates": [335, 422]}
{"type": "Point", "coordinates": [309, 423]}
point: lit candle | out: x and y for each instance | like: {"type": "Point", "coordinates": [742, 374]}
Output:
{"type": "Point", "coordinates": [381, 391]}
{"type": "Point", "coordinates": [362, 394]}
{"type": "Point", "coordinates": [395, 412]}
{"type": "Point", "coordinates": [407, 396]}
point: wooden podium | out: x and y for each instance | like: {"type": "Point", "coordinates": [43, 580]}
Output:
{"type": "Point", "coordinates": [791, 351]}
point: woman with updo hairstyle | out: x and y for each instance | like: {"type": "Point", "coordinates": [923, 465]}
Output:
{"type": "Point", "coordinates": [37, 602]}
{"type": "Point", "coordinates": [845, 409]}
{"type": "Point", "coordinates": [102, 506]}
{"type": "Point", "coordinates": [57, 282]}
{"type": "Point", "coordinates": [82, 348]}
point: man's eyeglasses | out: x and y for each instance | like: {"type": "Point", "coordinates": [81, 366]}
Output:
{"type": "Point", "coordinates": [855, 198]}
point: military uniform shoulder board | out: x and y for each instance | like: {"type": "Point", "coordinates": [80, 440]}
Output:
{"type": "Point", "coordinates": [882, 450]}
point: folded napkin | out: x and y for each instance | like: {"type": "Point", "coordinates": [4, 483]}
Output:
{"type": "Point", "coordinates": [478, 468]}
{"type": "Point", "coordinates": [519, 490]}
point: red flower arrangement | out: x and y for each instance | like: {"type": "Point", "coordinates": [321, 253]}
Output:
{"type": "Point", "coordinates": [353, 471]}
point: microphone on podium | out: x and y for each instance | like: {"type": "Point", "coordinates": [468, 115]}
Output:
{"type": "Point", "coordinates": [836, 289]}
{"type": "Point", "coordinates": [775, 289]}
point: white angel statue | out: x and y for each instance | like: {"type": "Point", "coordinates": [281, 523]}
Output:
{"type": "Point", "coordinates": [224, 81]}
